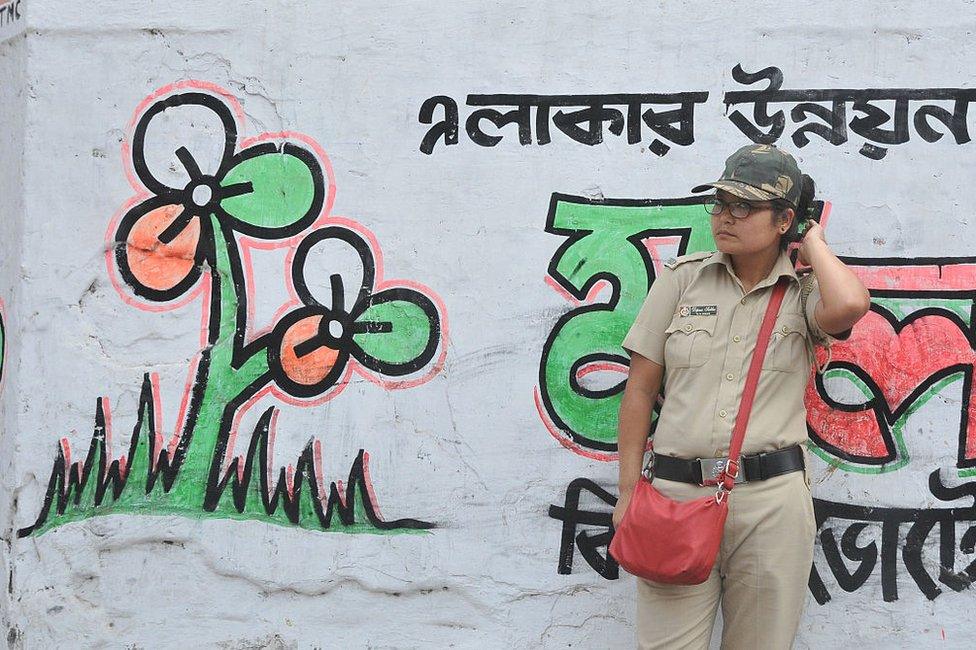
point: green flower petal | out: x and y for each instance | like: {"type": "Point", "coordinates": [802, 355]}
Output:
{"type": "Point", "coordinates": [402, 331]}
{"type": "Point", "coordinates": [286, 190]}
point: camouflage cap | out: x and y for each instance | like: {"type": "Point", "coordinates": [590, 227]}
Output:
{"type": "Point", "coordinates": [759, 172]}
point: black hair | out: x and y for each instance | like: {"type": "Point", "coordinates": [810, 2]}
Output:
{"type": "Point", "coordinates": [802, 209]}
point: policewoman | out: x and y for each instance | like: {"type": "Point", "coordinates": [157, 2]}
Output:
{"type": "Point", "coordinates": [692, 341]}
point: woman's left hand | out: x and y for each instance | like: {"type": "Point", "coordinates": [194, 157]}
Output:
{"type": "Point", "coordinates": [814, 236]}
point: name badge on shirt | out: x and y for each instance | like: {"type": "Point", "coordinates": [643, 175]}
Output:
{"type": "Point", "coordinates": [698, 310]}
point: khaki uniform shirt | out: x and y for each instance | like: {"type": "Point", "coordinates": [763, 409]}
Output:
{"type": "Point", "coordinates": [699, 324]}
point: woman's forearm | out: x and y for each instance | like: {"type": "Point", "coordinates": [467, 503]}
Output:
{"type": "Point", "coordinates": [635, 422]}
{"type": "Point", "coordinates": [643, 383]}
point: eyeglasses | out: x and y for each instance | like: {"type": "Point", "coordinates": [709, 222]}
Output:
{"type": "Point", "coordinates": [738, 209]}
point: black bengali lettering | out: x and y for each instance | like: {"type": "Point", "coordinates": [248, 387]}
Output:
{"type": "Point", "coordinates": [446, 128]}
{"type": "Point", "coordinates": [589, 542]}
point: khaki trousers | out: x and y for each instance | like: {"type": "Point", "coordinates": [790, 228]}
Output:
{"type": "Point", "coordinates": [760, 575]}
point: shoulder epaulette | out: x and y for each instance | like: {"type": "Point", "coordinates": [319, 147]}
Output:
{"type": "Point", "coordinates": [690, 257]}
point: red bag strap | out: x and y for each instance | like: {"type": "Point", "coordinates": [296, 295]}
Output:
{"type": "Point", "coordinates": [752, 380]}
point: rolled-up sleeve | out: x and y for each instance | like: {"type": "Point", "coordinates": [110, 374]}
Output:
{"type": "Point", "coordinates": [646, 336]}
{"type": "Point", "coordinates": [812, 300]}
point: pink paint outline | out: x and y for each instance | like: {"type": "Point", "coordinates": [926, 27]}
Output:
{"type": "Point", "coordinates": [652, 243]}
{"type": "Point", "coordinates": [177, 434]}
{"type": "Point", "coordinates": [371, 494]}
{"type": "Point", "coordinates": [591, 296]}
{"type": "Point", "coordinates": [319, 469]}
{"type": "Point", "coordinates": [558, 288]}
{"type": "Point", "coordinates": [272, 437]}
{"type": "Point", "coordinates": [77, 467]}
{"type": "Point", "coordinates": [110, 455]}
{"type": "Point", "coordinates": [109, 451]}
{"type": "Point", "coordinates": [597, 366]}
{"type": "Point", "coordinates": [66, 452]}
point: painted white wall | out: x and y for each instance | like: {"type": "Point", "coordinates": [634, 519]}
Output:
{"type": "Point", "coordinates": [467, 449]}
{"type": "Point", "coordinates": [13, 64]}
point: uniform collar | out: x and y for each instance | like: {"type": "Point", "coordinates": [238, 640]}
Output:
{"type": "Point", "coordinates": [782, 267]}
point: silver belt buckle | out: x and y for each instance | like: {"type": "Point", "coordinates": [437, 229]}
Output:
{"type": "Point", "coordinates": [711, 469]}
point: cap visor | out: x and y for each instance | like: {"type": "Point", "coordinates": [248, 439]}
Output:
{"type": "Point", "coordinates": [742, 190]}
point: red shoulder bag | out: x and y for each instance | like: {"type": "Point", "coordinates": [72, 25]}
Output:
{"type": "Point", "coordinates": [676, 542]}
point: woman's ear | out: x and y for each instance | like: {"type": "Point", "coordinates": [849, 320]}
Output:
{"type": "Point", "coordinates": [787, 220]}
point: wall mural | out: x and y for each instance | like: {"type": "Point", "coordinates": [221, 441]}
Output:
{"type": "Point", "coordinates": [917, 343]}
{"type": "Point", "coordinates": [204, 198]}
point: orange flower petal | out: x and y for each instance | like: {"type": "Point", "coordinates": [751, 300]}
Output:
{"type": "Point", "coordinates": [157, 265]}
{"type": "Point", "coordinates": [312, 368]}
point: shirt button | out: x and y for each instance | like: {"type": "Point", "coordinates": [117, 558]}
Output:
{"type": "Point", "coordinates": [688, 328]}
{"type": "Point", "coordinates": [730, 376]}
{"type": "Point", "coordinates": [723, 413]}
{"type": "Point", "coordinates": [743, 301]}
{"type": "Point", "coordinates": [736, 338]}
{"type": "Point", "coordinates": [786, 329]}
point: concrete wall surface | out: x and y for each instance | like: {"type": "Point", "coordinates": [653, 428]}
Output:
{"type": "Point", "coordinates": [312, 310]}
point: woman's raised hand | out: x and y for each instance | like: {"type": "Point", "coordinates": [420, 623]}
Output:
{"type": "Point", "coordinates": [814, 236]}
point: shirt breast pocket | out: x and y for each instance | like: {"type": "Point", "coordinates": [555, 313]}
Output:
{"type": "Point", "coordinates": [788, 344]}
{"type": "Point", "coordinates": [689, 342]}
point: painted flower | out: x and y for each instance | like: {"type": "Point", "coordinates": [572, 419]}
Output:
{"type": "Point", "coordinates": [393, 332]}
{"type": "Point", "coordinates": [270, 190]}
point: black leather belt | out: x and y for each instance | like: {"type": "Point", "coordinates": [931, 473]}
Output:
{"type": "Point", "coordinates": [751, 468]}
